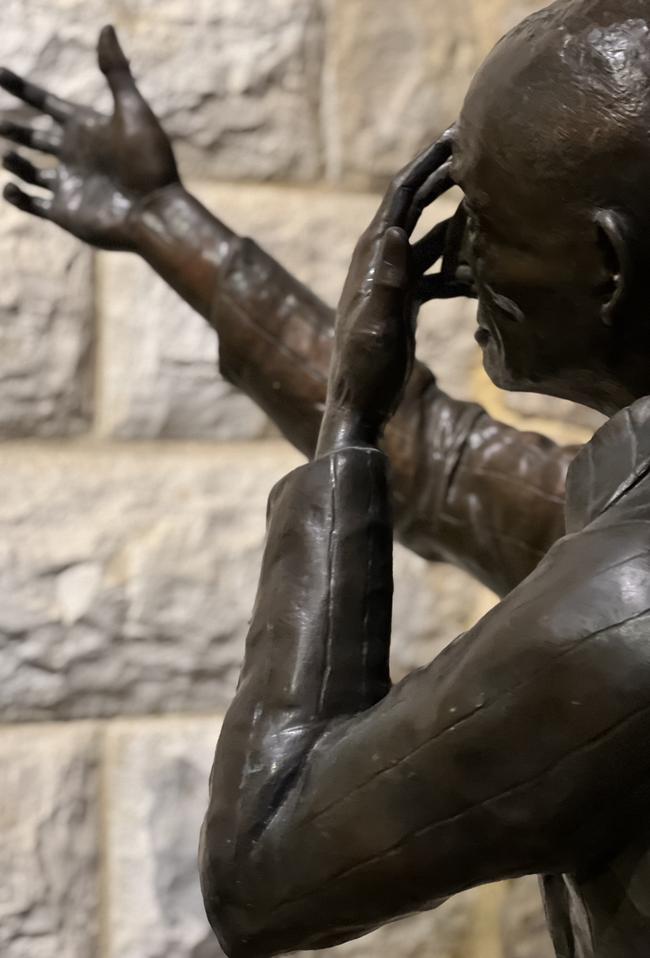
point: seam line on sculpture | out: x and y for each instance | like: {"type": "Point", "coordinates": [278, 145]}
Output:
{"type": "Point", "coordinates": [395, 849]}
{"type": "Point", "coordinates": [366, 598]}
{"type": "Point", "coordinates": [493, 531]}
{"type": "Point", "coordinates": [331, 547]}
{"type": "Point", "coordinates": [513, 480]}
{"type": "Point", "coordinates": [458, 464]}
{"type": "Point", "coordinates": [465, 718]}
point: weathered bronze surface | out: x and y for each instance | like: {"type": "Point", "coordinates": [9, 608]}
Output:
{"type": "Point", "coordinates": [338, 801]}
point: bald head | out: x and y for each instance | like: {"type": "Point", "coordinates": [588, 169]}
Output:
{"type": "Point", "coordinates": [569, 89]}
{"type": "Point", "coordinates": [553, 153]}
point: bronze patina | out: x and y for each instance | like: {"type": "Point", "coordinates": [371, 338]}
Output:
{"type": "Point", "coordinates": [340, 801]}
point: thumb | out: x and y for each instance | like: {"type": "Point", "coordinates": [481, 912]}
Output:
{"type": "Point", "coordinates": [392, 269]}
{"type": "Point", "coordinates": [114, 64]}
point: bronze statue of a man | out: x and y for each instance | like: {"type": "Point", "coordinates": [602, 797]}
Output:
{"type": "Point", "coordinates": [339, 802]}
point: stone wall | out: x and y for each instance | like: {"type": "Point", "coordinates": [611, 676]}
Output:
{"type": "Point", "coordinates": [133, 479]}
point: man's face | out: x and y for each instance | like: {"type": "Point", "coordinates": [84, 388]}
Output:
{"type": "Point", "coordinates": [534, 253]}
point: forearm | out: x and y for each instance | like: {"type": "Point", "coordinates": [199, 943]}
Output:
{"type": "Point", "coordinates": [317, 653]}
{"type": "Point", "coordinates": [184, 243]}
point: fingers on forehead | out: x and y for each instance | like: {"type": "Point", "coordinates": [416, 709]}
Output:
{"type": "Point", "coordinates": [429, 172]}
{"type": "Point", "coordinates": [426, 163]}
{"type": "Point", "coordinates": [435, 185]}
{"type": "Point", "coordinates": [432, 188]}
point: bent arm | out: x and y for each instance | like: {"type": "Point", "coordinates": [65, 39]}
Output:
{"type": "Point", "coordinates": [338, 804]}
{"type": "Point", "coordinates": [466, 489]}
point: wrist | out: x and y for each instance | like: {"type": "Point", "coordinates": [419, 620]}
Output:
{"type": "Point", "coordinates": [183, 242]}
{"type": "Point", "coordinates": [345, 426]}
{"type": "Point", "coordinates": [164, 213]}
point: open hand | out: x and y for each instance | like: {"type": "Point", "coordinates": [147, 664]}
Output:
{"type": "Point", "coordinates": [107, 165]}
{"type": "Point", "coordinates": [386, 284]}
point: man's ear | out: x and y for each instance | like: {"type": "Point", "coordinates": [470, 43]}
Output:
{"type": "Point", "coordinates": [611, 238]}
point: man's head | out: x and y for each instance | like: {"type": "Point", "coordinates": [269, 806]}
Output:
{"type": "Point", "coordinates": [553, 154]}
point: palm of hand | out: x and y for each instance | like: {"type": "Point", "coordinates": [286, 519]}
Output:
{"type": "Point", "coordinates": [387, 283]}
{"type": "Point", "coordinates": [375, 324]}
{"type": "Point", "coordinates": [107, 165]}
{"type": "Point", "coordinates": [104, 173]}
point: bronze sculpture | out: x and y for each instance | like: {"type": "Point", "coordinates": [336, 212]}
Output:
{"type": "Point", "coordinates": [339, 802]}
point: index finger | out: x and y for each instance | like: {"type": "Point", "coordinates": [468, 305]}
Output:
{"type": "Point", "coordinates": [397, 201]}
{"type": "Point", "coordinates": [60, 110]}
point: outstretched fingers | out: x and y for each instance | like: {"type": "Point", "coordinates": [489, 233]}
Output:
{"type": "Point", "coordinates": [115, 66]}
{"type": "Point", "coordinates": [47, 141]}
{"type": "Point", "coordinates": [60, 110]}
{"type": "Point", "coordinates": [26, 171]}
{"type": "Point", "coordinates": [36, 205]}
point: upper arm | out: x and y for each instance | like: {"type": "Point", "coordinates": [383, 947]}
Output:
{"type": "Point", "coordinates": [473, 491]}
{"type": "Point", "coordinates": [492, 762]}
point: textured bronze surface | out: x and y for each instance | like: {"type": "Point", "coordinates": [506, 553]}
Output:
{"type": "Point", "coordinates": [338, 801]}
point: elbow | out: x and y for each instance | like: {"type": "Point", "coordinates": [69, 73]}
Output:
{"type": "Point", "coordinates": [240, 906]}
{"type": "Point", "coordinates": [243, 930]}
{"type": "Point", "coordinates": [234, 933]}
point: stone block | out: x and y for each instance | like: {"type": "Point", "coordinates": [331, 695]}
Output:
{"type": "Point", "coordinates": [157, 786]}
{"type": "Point", "coordinates": [235, 84]}
{"type": "Point", "coordinates": [533, 406]}
{"type": "Point", "coordinates": [494, 18]}
{"type": "Point", "coordinates": [46, 329]}
{"type": "Point", "coordinates": [394, 81]}
{"type": "Point", "coordinates": [157, 790]}
{"type": "Point", "coordinates": [524, 930]}
{"type": "Point", "coordinates": [127, 578]}
{"type": "Point", "coordinates": [158, 371]}
{"type": "Point", "coordinates": [50, 836]}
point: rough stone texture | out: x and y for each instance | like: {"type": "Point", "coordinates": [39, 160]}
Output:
{"type": "Point", "coordinates": [532, 405]}
{"type": "Point", "coordinates": [235, 84]}
{"type": "Point", "coordinates": [157, 785]}
{"type": "Point", "coordinates": [48, 852]}
{"type": "Point", "coordinates": [393, 83]}
{"type": "Point", "coordinates": [491, 20]}
{"type": "Point", "coordinates": [127, 579]}
{"type": "Point", "coordinates": [524, 930]}
{"type": "Point", "coordinates": [46, 320]}
{"type": "Point", "coordinates": [159, 374]}
{"type": "Point", "coordinates": [157, 794]}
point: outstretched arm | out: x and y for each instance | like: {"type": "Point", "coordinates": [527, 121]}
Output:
{"type": "Point", "coordinates": [338, 803]}
{"type": "Point", "coordinates": [466, 489]}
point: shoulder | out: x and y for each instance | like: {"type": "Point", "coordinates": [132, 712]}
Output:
{"type": "Point", "coordinates": [570, 615]}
